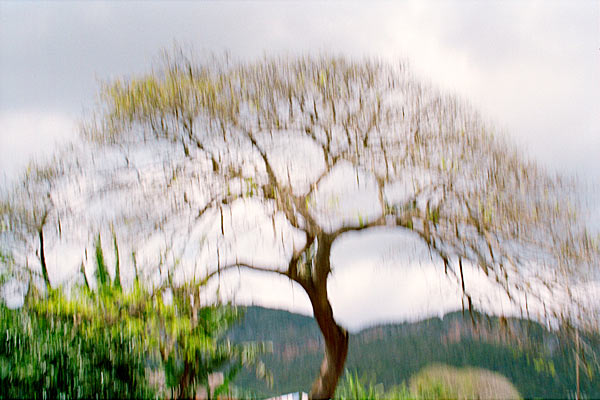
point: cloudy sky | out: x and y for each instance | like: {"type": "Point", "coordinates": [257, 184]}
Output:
{"type": "Point", "coordinates": [531, 67]}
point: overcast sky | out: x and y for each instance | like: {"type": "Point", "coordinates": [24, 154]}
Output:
{"type": "Point", "coordinates": [532, 67]}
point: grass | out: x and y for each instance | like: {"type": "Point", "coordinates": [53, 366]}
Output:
{"type": "Point", "coordinates": [433, 382]}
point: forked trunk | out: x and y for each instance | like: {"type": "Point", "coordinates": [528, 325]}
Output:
{"type": "Point", "coordinates": [336, 347]}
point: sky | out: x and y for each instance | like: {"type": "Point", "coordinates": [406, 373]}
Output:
{"type": "Point", "coordinates": [531, 67]}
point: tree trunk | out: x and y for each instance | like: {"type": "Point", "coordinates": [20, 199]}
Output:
{"type": "Point", "coordinates": [336, 348]}
{"type": "Point", "coordinates": [336, 337]}
{"type": "Point", "coordinates": [43, 259]}
{"type": "Point", "coordinates": [184, 381]}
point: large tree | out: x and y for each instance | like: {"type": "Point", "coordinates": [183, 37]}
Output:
{"type": "Point", "coordinates": [321, 147]}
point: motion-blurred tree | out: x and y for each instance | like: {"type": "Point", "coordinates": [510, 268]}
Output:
{"type": "Point", "coordinates": [26, 210]}
{"type": "Point", "coordinates": [320, 147]}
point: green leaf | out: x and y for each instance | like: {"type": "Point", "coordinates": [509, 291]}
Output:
{"type": "Point", "coordinates": [101, 271]}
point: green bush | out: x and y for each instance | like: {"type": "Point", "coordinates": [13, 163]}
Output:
{"type": "Point", "coordinates": [115, 343]}
{"type": "Point", "coordinates": [44, 356]}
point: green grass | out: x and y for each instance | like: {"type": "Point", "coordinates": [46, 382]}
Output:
{"type": "Point", "coordinates": [436, 381]}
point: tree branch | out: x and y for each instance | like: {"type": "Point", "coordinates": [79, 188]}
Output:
{"type": "Point", "coordinates": [241, 264]}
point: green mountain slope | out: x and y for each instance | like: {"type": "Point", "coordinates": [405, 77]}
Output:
{"type": "Point", "coordinates": [535, 360]}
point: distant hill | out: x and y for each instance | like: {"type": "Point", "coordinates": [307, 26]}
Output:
{"type": "Point", "coordinates": [535, 360]}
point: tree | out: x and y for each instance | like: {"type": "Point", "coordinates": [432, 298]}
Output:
{"type": "Point", "coordinates": [26, 211]}
{"type": "Point", "coordinates": [322, 147]}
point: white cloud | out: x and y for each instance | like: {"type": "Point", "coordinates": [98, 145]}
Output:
{"type": "Point", "coordinates": [259, 288]}
{"type": "Point", "coordinates": [26, 134]}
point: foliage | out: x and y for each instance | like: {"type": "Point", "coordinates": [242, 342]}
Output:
{"type": "Point", "coordinates": [444, 382]}
{"type": "Point", "coordinates": [354, 388]}
{"type": "Point", "coordinates": [107, 342]}
{"type": "Point", "coordinates": [47, 356]}
{"type": "Point", "coordinates": [433, 383]}
{"type": "Point", "coordinates": [470, 195]}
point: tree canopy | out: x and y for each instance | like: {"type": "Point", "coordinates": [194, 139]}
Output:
{"type": "Point", "coordinates": [205, 160]}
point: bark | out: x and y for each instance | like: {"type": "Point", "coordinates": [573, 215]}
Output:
{"type": "Point", "coordinates": [43, 259]}
{"type": "Point", "coordinates": [335, 337]}
{"type": "Point", "coordinates": [336, 348]}
{"type": "Point", "coordinates": [184, 381]}
{"type": "Point", "coordinates": [42, 250]}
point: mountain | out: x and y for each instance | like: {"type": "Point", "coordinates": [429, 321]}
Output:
{"type": "Point", "coordinates": [537, 361]}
